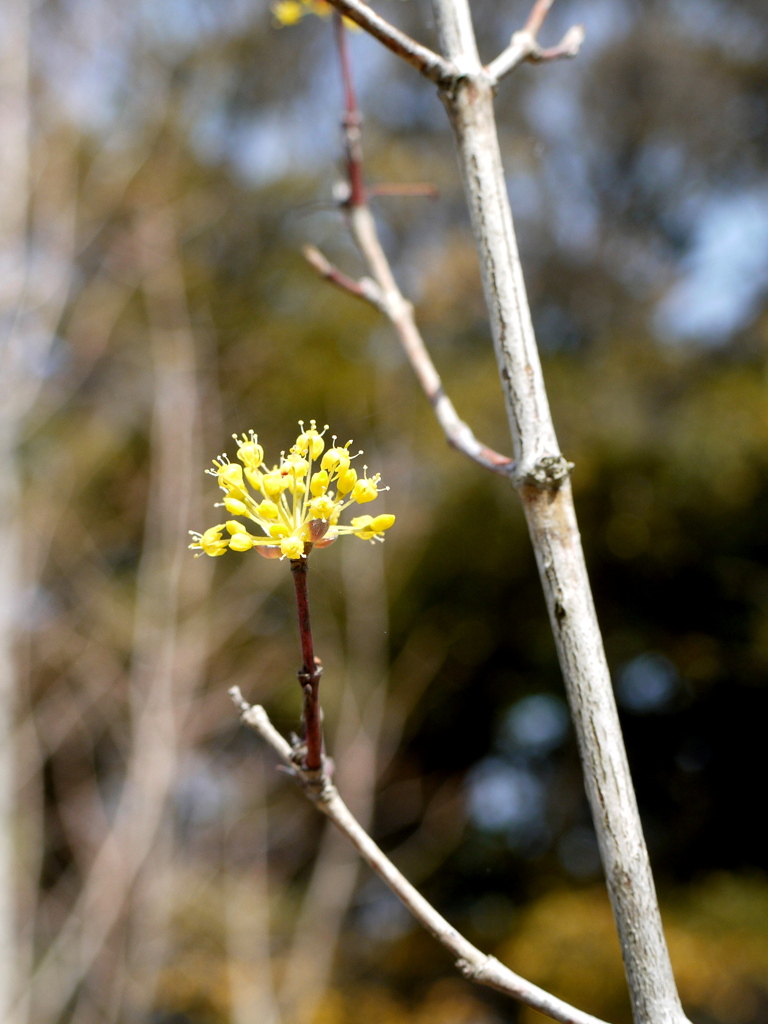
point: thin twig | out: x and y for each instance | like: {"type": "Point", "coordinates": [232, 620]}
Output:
{"type": "Point", "coordinates": [364, 289]}
{"type": "Point", "coordinates": [537, 17]}
{"type": "Point", "coordinates": [353, 120]}
{"type": "Point", "coordinates": [430, 64]}
{"type": "Point", "coordinates": [472, 962]}
{"type": "Point", "coordinates": [311, 670]}
{"type": "Point", "coordinates": [383, 291]}
{"type": "Point", "coordinates": [524, 45]}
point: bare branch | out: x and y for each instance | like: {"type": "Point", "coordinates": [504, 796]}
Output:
{"type": "Point", "coordinates": [400, 313]}
{"type": "Point", "coordinates": [364, 289]}
{"type": "Point", "coordinates": [472, 962]}
{"type": "Point", "coordinates": [524, 45]}
{"type": "Point", "coordinates": [430, 64]}
{"type": "Point", "coordinates": [538, 16]}
{"type": "Point", "coordinates": [568, 46]}
{"type": "Point", "coordinates": [547, 500]}
{"type": "Point", "coordinates": [383, 291]}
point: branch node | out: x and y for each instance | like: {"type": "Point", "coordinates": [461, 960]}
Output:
{"type": "Point", "coordinates": [364, 289]}
{"type": "Point", "coordinates": [466, 969]}
{"type": "Point", "coordinates": [478, 970]}
{"type": "Point", "coordinates": [548, 474]}
{"type": "Point", "coordinates": [568, 46]}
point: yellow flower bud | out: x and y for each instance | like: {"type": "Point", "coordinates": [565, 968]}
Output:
{"type": "Point", "coordinates": [319, 483]}
{"type": "Point", "coordinates": [288, 12]}
{"type": "Point", "coordinates": [292, 547]}
{"type": "Point", "coordinates": [347, 480]}
{"type": "Point", "coordinates": [268, 509]}
{"type": "Point", "coordinates": [278, 531]}
{"type": "Point", "coordinates": [230, 477]}
{"type": "Point", "coordinates": [273, 483]}
{"type": "Point", "coordinates": [235, 506]}
{"type": "Point", "coordinates": [310, 441]}
{"type": "Point", "coordinates": [335, 457]}
{"type": "Point", "coordinates": [382, 522]}
{"type": "Point", "coordinates": [365, 490]}
{"type": "Point", "coordinates": [251, 454]}
{"type": "Point", "coordinates": [296, 464]}
{"type": "Point", "coordinates": [234, 527]}
{"type": "Point", "coordinates": [241, 542]}
{"type": "Point", "coordinates": [254, 477]}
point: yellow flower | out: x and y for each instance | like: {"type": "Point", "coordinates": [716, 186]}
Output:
{"type": "Point", "coordinates": [289, 12]}
{"type": "Point", "coordinates": [296, 508]}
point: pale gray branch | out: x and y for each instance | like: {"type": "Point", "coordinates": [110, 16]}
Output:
{"type": "Point", "coordinates": [473, 964]}
{"type": "Point", "coordinates": [544, 487]}
{"type": "Point", "coordinates": [524, 47]}
{"type": "Point", "coordinates": [430, 64]}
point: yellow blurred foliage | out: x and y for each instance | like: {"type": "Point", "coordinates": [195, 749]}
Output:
{"type": "Point", "coordinates": [718, 940]}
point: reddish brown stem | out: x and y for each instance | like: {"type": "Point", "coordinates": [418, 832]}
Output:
{"type": "Point", "coordinates": [352, 119]}
{"type": "Point", "coordinates": [536, 18]}
{"type": "Point", "coordinates": [310, 672]}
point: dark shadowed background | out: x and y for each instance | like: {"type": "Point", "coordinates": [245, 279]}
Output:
{"type": "Point", "coordinates": [178, 155]}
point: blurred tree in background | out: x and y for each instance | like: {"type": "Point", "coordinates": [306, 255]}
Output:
{"type": "Point", "coordinates": [161, 165]}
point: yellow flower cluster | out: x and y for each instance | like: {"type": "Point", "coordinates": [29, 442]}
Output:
{"type": "Point", "coordinates": [299, 501]}
{"type": "Point", "coordinates": [289, 12]}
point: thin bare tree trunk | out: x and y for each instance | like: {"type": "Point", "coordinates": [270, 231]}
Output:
{"type": "Point", "coordinates": [247, 924]}
{"type": "Point", "coordinates": [163, 676]}
{"type": "Point", "coordinates": [543, 481]}
{"type": "Point", "coordinates": [14, 201]}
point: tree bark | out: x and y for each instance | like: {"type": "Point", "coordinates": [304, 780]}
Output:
{"type": "Point", "coordinates": [543, 482]}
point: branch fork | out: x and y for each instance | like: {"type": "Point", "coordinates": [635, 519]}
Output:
{"type": "Point", "coordinates": [524, 46]}
{"type": "Point", "coordinates": [470, 961]}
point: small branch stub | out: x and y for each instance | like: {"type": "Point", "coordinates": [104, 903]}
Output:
{"type": "Point", "coordinates": [549, 473]}
{"type": "Point", "coordinates": [524, 45]}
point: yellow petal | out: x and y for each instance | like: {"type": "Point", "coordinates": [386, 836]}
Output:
{"type": "Point", "coordinates": [382, 522]}
{"type": "Point", "coordinates": [235, 506]}
{"type": "Point", "coordinates": [241, 542]}
{"type": "Point", "coordinates": [347, 480]}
